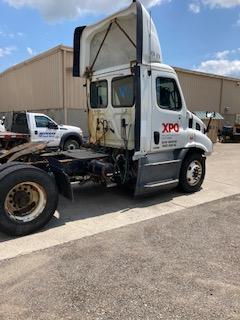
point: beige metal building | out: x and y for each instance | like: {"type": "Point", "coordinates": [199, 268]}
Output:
{"type": "Point", "coordinates": [45, 83]}
{"type": "Point", "coordinates": [208, 92]}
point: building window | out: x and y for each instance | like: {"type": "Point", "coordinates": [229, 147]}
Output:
{"type": "Point", "coordinates": [237, 119]}
{"type": "Point", "coordinates": [99, 94]}
{"type": "Point", "coordinates": [168, 95]}
{"type": "Point", "coordinates": [123, 92]}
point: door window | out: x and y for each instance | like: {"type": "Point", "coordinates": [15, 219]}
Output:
{"type": "Point", "coordinates": [43, 122]}
{"type": "Point", "coordinates": [99, 94]}
{"type": "Point", "coordinates": [168, 95]}
{"type": "Point", "coordinates": [123, 92]}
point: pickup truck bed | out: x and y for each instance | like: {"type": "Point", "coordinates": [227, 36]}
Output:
{"type": "Point", "coordinates": [12, 135]}
{"type": "Point", "coordinates": [9, 139]}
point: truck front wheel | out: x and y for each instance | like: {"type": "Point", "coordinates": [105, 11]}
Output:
{"type": "Point", "coordinates": [192, 173]}
{"type": "Point", "coordinates": [71, 144]}
{"type": "Point", "coordinates": [28, 199]}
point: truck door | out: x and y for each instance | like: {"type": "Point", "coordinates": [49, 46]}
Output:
{"type": "Point", "coordinates": [44, 129]}
{"type": "Point", "coordinates": [160, 168]}
{"type": "Point", "coordinates": [167, 113]}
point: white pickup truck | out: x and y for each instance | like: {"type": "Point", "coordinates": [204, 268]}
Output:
{"type": "Point", "coordinates": [41, 128]}
{"type": "Point", "coordinates": [2, 126]}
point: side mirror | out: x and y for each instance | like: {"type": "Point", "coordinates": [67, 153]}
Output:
{"type": "Point", "coordinates": [210, 115]}
{"type": "Point", "coordinates": [52, 126]}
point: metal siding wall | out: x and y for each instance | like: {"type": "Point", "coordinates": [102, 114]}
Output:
{"type": "Point", "coordinates": [201, 92]}
{"type": "Point", "coordinates": [75, 92]}
{"type": "Point", "coordinates": [34, 85]}
{"type": "Point", "coordinates": [78, 117]}
{"type": "Point", "coordinates": [39, 85]}
{"type": "Point", "coordinates": [231, 97]}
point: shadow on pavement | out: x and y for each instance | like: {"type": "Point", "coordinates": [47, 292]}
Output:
{"type": "Point", "coordinates": [94, 200]}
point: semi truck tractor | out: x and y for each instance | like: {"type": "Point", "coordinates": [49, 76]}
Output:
{"type": "Point", "coordinates": [141, 134]}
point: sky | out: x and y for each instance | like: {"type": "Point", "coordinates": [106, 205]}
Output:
{"type": "Point", "coordinates": [202, 35]}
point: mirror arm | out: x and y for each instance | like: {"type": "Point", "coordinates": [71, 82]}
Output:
{"type": "Point", "coordinates": [208, 126]}
{"type": "Point", "coordinates": [213, 114]}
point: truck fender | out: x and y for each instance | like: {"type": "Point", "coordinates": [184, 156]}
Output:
{"type": "Point", "coordinates": [70, 135]}
{"type": "Point", "coordinates": [201, 147]}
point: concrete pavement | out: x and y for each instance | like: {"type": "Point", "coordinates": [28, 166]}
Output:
{"type": "Point", "coordinates": [96, 210]}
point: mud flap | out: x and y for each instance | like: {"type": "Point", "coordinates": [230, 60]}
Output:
{"type": "Point", "coordinates": [62, 179]}
{"type": "Point", "coordinates": [156, 172]}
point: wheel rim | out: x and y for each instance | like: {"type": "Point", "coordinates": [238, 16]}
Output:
{"type": "Point", "coordinates": [25, 202]}
{"type": "Point", "coordinates": [194, 173]}
{"type": "Point", "coordinates": [72, 146]}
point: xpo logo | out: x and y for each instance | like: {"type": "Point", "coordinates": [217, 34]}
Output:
{"type": "Point", "coordinates": [170, 127]}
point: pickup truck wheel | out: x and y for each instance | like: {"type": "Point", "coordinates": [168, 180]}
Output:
{"type": "Point", "coordinates": [71, 144]}
{"type": "Point", "coordinates": [28, 199]}
{"type": "Point", "coordinates": [192, 173]}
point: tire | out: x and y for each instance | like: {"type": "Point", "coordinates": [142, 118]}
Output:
{"type": "Point", "coordinates": [22, 188]}
{"type": "Point", "coordinates": [9, 165]}
{"type": "Point", "coordinates": [192, 173]}
{"type": "Point", "coordinates": [71, 144]}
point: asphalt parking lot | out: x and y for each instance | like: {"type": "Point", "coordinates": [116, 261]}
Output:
{"type": "Point", "coordinates": [109, 256]}
{"type": "Point", "coordinates": [96, 209]}
{"type": "Point", "coordinates": [184, 265]}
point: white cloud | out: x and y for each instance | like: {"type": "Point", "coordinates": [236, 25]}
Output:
{"type": "Point", "coordinates": [226, 62]}
{"type": "Point", "coordinates": [238, 21]}
{"type": "Point", "coordinates": [194, 7]}
{"type": "Point", "coordinates": [62, 9]}
{"type": "Point", "coordinates": [30, 51]}
{"type": "Point", "coordinates": [5, 32]}
{"type": "Point", "coordinates": [223, 54]}
{"type": "Point", "coordinates": [221, 3]}
{"type": "Point", "coordinates": [6, 51]}
{"type": "Point", "coordinates": [221, 67]}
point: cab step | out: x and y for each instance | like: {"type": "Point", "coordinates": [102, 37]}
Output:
{"type": "Point", "coordinates": [161, 183]}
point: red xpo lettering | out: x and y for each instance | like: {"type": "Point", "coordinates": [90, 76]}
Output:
{"type": "Point", "coordinates": [170, 127]}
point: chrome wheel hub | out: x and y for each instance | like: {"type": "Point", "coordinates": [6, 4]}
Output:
{"type": "Point", "coordinates": [71, 147]}
{"type": "Point", "coordinates": [25, 202]}
{"type": "Point", "coordinates": [194, 173]}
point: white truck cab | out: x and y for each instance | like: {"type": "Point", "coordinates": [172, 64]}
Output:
{"type": "Point", "coordinates": [42, 128]}
{"type": "Point", "coordinates": [136, 103]}
{"type": "Point", "coordinates": [141, 134]}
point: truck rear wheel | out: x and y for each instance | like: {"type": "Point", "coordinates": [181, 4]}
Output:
{"type": "Point", "coordinates": [28, 199]}
{"type": "Point", "coordinates": [8, 165]}
{"type": "Point", "coordinates": [192, 173]}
